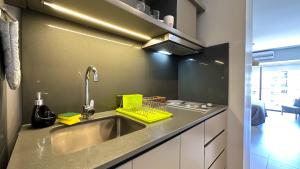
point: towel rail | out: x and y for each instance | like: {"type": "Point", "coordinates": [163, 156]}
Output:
{"type": "Point", "coordinates": [4, 11]}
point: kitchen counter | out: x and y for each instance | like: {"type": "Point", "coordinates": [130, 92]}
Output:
{"type": "Point", "coordinates": [33, 149]}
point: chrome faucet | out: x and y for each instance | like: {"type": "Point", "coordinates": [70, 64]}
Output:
{"type": "Point", "coordinates": [88, 107]}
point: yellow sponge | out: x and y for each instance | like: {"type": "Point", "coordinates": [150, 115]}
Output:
{"type": "Point", "coordinates": [69, 122]}
{"type": "Point", "coordinates": [69, 115]}
{"type": "Point", "coordinates": [69, 118]}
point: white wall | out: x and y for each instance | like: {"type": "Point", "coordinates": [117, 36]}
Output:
{"type": "Point", "coordinates": [225, 21]}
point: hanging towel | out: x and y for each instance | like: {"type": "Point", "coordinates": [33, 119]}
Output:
{"type": "Point", "coordinates": [12, 64]}
{"type": "Point", "coordinates": [2, 67]}
{"type": "Point", "coordinates": [5, 40]}
{"type": "Point", "coordinates": [10, 42]}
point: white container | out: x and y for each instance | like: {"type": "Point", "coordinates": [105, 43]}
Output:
{"type": "Point", "coordinates": [141, 5]}
{"type": "Point", "coordinates": [169, 20]}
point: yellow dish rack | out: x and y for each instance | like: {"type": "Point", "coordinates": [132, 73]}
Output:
{"type": "Point", "coordinates": [147, 109]}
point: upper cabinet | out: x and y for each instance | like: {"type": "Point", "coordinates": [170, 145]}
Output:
{"type": "Point", "coordinates": [120, 17]}
{"type": "Point", "coordinates": [184, 11]}
{"type": "Point", "coordinates": [186, 17]}
{"type": "Point", "coordinates": [18, 3]}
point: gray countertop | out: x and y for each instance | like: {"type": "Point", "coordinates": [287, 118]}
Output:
{"type": "Point", "coordinates": [33, 149]}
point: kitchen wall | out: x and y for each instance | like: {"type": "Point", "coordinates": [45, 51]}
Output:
{"type": "Point", "coordinates": [231, 21]}
{"type": "Point", "coordinates": [11, 112]}
{"type": "Point", "coordinates": [14, 116]}
{"type": "Point", "coordinates": [56, 54]}
{"type": "Point", "coordinates": [204, 77]}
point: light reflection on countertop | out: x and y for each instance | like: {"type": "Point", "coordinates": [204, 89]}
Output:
{"type": "Point", "coordinates": [33, 148]}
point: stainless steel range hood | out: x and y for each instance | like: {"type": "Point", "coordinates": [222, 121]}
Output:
{"type": "Point", "coordinates": [170, 43]}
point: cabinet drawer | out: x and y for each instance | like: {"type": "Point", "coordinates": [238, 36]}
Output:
{"type": "Point", "coordinates": [214, 149]}
{"type": "Point", "coordinates": [214, 126]}
{"type": "Point", "coordinates": [220, 163]}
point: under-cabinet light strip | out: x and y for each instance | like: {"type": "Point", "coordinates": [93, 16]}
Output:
{"type": "Point", "coordinates": [94, 20]}
{"type": "Point", "coordinates": [91, 36]}
{"type": "Point", "coordinates": [219, 62]}
{"type": "Point", "coordinates": [165, 52]}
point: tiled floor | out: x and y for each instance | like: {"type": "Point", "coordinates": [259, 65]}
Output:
{"type": "Point", "coordinates": [276, 143]}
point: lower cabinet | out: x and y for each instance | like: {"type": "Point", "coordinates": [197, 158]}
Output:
{"type": "Point", "coordinates": [220, 163]}
{"type": "Point", "coordinates": [214, 126]}
{"type": "Point", "coordinates": [165, 156]}
{"type": "Point", "coordinates": [214, 149]}
{"type": "Point", "coordinates": [201, 147]}
{"type": "Point", "coordinates": [127, 165]}
{"type": "Point", "coordinates": [192, 148]}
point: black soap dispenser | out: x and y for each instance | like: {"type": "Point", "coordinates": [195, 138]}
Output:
{"type": "Point", "coordinates": [42, 116]}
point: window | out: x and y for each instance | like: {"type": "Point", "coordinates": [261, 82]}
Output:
{"type": "Point", "coordinates": [255, 78]}
{"type": "Point", "coordinates": [276, 85]}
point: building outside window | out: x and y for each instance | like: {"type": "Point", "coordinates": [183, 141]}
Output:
{"type": "Point", "coordinates": [276, 85]}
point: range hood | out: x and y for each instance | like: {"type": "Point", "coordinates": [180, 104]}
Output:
{"type": "Point", "coordinates": [172, 44]}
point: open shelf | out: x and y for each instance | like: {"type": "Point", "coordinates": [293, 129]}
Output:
{"type": "Point", "coordinates": [114, 12]}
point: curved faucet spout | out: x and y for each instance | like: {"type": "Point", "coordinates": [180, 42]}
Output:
{"type": "Point", "coordinates": [93, 69]}
{"type": "Point", "coordinates": [88, 108]}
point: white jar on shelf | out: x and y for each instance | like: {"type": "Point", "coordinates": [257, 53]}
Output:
{"type": "Point", "coordinates": [141, 5]}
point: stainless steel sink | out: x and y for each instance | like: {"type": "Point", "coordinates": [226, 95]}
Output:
{"type": "Point", "coordinates": [66, 140]}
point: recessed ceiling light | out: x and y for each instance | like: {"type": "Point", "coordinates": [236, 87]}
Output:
{"type": "Point", "coordinates": [191, 59]}
{"type": "Point", "coordinates": [203, 63]}
{"type": "Point", "coordinates": [164, 52]}
{"type": "Point", "coordinates": [219, 62]}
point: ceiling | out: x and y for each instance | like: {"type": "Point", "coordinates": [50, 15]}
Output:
{"type": "Point", "coordinates": [276, 24]}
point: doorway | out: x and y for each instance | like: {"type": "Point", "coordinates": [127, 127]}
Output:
{"type": "Point", "coordinates": [275, 131]}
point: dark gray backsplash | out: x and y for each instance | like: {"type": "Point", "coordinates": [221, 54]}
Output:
{"type": "Point", "coordinates": [56, 53]}
{"type": "Point", "coordinates": [3, 158]}
{"type": "Point", "coordinates": [202, 79]}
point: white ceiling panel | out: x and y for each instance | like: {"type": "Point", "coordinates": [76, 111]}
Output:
{"type": "Point", "coordinates": [276, 23]}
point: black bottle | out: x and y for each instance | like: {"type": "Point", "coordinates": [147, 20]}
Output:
{"type": "Point", "coordinates": [42, 116]}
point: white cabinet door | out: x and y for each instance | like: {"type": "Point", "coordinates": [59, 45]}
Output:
{"type": "Point", "coordinates": [127, 165]}
{"type": "Point", "coordinates": [187, 17]}
{"type": "Point", "coordinates": [192, 148]}
{"type": "Point", "coordinates": [165, 156]}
